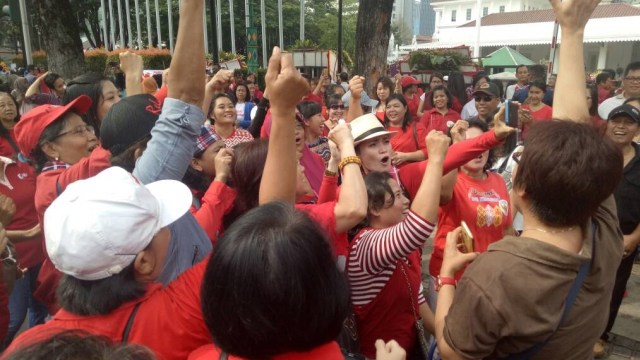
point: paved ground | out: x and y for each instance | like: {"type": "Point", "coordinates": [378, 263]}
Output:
{"type": "Point", "coordinates": [625, 343]}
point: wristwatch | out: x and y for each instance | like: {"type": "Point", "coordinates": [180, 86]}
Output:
{"type": "Point", "coordinates": [441, 281]}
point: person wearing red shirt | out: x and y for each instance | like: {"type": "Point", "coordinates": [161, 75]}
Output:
{"type": "Point", "coordinates": [481, 199]}
{"type": "Point", "coordinates": [408, 143]}
{"type": "Point", "coordinates": [9, 116]}
{"type": "Point", "coordinates": [440, 117]}
{"type": "Point", "coordinates": [384, 88]}
{"type": "Point", "coordinates": [409, 90]}
{"type": "Point", "coordinates": [384, 259]}
{"type": "Point", "coordinates": [18, 182]}
{"type": "Point", "coordinates": [604, 82]}
{"type": "Point", "coordinates": [538, 110]}
{"type": "Point", "coordinates": [426, 99]}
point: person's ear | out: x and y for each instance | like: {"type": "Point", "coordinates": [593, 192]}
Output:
{"type": "Point", "coordinates": [195, 163]}
{"type": "Point", "coordinates": [143, 265]}
{"type": "Point", "coordinates": [51, 150]}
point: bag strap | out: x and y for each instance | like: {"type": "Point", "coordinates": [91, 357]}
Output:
{"type": "Point", "coordinates": [571, 298]}
{"type": "Point", "coordinates": [406, 278]}
{"type": "Point", "coordinates": [127, 328]}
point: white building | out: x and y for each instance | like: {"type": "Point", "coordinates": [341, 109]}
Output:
{"type": "Point", "coordinates": [612, 36]}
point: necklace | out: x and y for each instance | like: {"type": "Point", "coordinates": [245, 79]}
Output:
{"type": "Point", "coordinates": [549, 231]}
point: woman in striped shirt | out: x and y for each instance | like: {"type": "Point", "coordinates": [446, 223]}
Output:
{"type": "Point", "coordinates": [384, 260]}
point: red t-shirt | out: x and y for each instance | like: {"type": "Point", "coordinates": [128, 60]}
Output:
{"type": "Point", "coordinates": [329, 351]}
{"type": "Point", "coordinates": [483, 204]}
{"type": "Point", "coordinates": [20, 186]}
{"type": "Point", "coordinates": [455, 103]}
{"type": "Point", "coordinates": [214, 204]}
{"type": "Point", "coordinates": [412, 105]}
{"type": "Point", "coordinates": [169, 321]}
{"type": "Point", "coordinates": [434, 120]}
{"type": "Point", "coordinates": [459, 154]}
{"type": "Point", "coordinates": [409, 141]}
{"type": "Point", "coordinates": [545, 113]}
{"type": "Point", "coordinates": [324, 214]}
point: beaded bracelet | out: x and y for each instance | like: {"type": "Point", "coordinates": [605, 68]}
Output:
{"type": "Point", "coordinates": [349, 160]}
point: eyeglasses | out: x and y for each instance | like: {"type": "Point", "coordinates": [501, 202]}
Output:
{"type": "Point", "coordinates": [516, 157]}
{"type": "Point", "coordinates": [485, 98]}
{"type": "Point", "coordinates": [78, 130]}
{"type": "Point", "coordinates": [336, 107]}
{"type": "Point", "coordinates": [635, 79]}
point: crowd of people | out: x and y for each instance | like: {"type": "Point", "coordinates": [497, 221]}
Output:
{"type": "Point", "coordinates": [202, 217]}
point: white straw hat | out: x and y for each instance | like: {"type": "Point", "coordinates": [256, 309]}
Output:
{"type": "Point", "coordinates": [367, 127]}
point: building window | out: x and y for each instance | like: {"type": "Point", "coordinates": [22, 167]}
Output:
{"type": "Point", "coordinates": [501, 8]}
{"type": "Point", "coordinates": [485, 11]}
{"type": "Point", "coordinates": [453, 16]}
{"type": "Point", "coordinates": [468, 14]}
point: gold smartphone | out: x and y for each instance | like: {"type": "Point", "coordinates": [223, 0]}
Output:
{"type": "Point", "coordinates": [466, 238]}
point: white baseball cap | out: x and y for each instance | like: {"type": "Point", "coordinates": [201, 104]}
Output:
{"type": "Point", "coordinates": [97, 226]}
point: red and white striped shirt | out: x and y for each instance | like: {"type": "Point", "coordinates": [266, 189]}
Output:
{"type": "Point", "coordinates": [375, 252]}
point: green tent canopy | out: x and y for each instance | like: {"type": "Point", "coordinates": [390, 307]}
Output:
{"type": "Point", "coordinates": [505, 57]}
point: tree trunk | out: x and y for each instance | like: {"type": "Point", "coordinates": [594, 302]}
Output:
{"type": "Point", "coordinates": [372, 39]}
{"type": "Point", "coordinates": [61, 36]}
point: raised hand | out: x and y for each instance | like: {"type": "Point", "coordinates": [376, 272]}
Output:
{"type": "Point", "coordinates": [437, 144]}
{"type": "Point", "coordinates": [341, 135]}
{"type": "Point", "coordinates": [459, 131]}
{"type": "Point", "coordinates": [131, 63]}
{"type": "Point", "coordinates": [286, 85]}
{"type": "Point", "coordinates": [573, 15]}
{"type": "Point", "coordinates": [500, 127]}
{"type": "Point", "coordinates": [223, 164]}
{"type": "Point", "coordinates": [356, 85]}
{"type": "Point", "coordinates": [389, 351]}
{"type": "Point", "coordinates": [220, 81]}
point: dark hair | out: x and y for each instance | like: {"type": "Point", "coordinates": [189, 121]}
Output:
{"type": "Point", "coordinates": [632, 67]}
{"type": "Point", "coordinates": [247, 96]}
{"type": "Point", "coordinates": [407, 116]}
{"type": "Point", "coordinates": [331, 90]}
{"type": "Point", "coordinates": [500, 86]}
{"type": "Point", "coordinates": [309, 109]}
{"type": "Point", "coordinates": [333, 99]}
{"type": "Point", "coordinates": [521, 66]}
{"type": "Point", "coordinates": [17, 118]}
{"type": "Point", "coordinates": [247, 166]}
{"type": "Point", "coordinates": [437, 75]}
{"type": "Point", "coordinates": [484, 127]}
{"type": "Point", "coordinates": [386, 82]}
{"type": "Point", "coordinates": [274, 260]}
{"type": "Point", "coordinates": [539, 84]}
{"type": "Point", "coordinates": [215, 100]}
{"type": "Point", "coordinates": [603, 77]}
{"type": "Point", "coordinates": [567, 170]}
{"type": "Point", "coordinates": [127, 159]}
{"type": "Point", "coordinates": [344, 76]}
{"type": "Point", "coordinates": [593, 92]}
{"type": "Point", "coordinates": [479, 76]}
{"type": "Point", "coordinates": [50, 80]}
{"type": "Point", "coordinates": [89, 84]}
{"type": "Point", "coordinates": [446, 92]}
{"type": "Point", "coordinates": [456, 86]}
{"type": "Point", "coordinates": [538, 72]}
{"type": "Point", "coordinates": [80, 345]}
{"type": "Point", "coordinates": [99, 297]}
{"type": "Point", "coordinates": [378, 188]}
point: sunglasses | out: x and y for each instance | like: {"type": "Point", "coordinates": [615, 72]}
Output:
{"type": "Point", "coordinates": [485, 98]}
{"type": "Point", "coordinates": [336, 107]}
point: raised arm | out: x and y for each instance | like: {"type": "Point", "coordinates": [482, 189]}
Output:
{"type": "Point", "coordinates": [356, 86]}
{"type": "Point", "coordinates": [351, 207]}
{"type": "Point", "coordinates": [132, 66]}
{"type": "Point", "coordinates": [35, 87]}
{"type": "Point", "coordinates": [427, 200]}
{"type": "Point", "coordinates": [217, 84]}
{"type": "Point", "coordinates": [187, 63]}
{"type": "Point", "coordinates": [569, 100]}
{"type": "Point", "coordinates": [286, 88]}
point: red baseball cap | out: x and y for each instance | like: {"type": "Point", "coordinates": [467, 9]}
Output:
{"type": "Point", "coordinates": [408, 81]}
{"type": "Point", "coordinates": [31, 125]}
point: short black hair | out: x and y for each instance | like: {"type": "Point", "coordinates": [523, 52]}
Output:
{"type": "Point", "coordinates": [98, 297]}
{"type": "Point", "coordinates": [50, 80]}
{"type": "Point", "coordinates": [344, 77]}
{"type": "Point", "coordinates": [276, 269]}
{"type": "Point", "coordinates": [539, 84]}
{"type": "Point", "coordinates": [309, 109]}
{"type": "Point", "coordinates": [377, 183]}
{"type": "Point", "coordinates": [632, 67]}
{"type": "Point", "coordinates": [603, 77]}
{"type": "Point", "coordinates": [407, 115]}
{"type": "Point", "coordinates": [80, 345]}
{"type": "Point", "coordinates": [521, 66]}
{"type": "Point", "coordinates": [446, 92]}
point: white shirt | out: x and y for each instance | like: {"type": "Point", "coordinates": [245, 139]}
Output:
{"type": "Point", "coordinates": [611, 103]}
{"type": "Point", "coordinates": [469, 110]}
